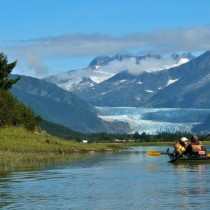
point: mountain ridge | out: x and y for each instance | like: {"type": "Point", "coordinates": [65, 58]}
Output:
{"type": "Point", "coordinates": [183, 86]}
{"type": "Point", "coordinates": [190, 91]}
{"type": "Point", "coordinates": [62, 107]}
{"type": "Point", "coordinates": [102, 68]}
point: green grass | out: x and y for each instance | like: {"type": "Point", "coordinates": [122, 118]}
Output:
{"type": "Point", "coordinates": [22, 149]}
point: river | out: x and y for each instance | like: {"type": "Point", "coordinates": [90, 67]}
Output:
{"type": "Point", "coordinates": [125, 180]}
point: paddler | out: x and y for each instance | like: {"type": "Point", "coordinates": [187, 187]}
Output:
{"type": "Point", "coordinates": [180, 146]}
{"type": "Point", "coordinates": [195, 148]}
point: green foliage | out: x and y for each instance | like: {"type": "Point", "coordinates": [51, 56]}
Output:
{"type": "Point", "coordinates": [5, 69]}
{"type": "Point", "coordinates": [136, 136]}
{"type": "Point", "coordinates": [14, 113]}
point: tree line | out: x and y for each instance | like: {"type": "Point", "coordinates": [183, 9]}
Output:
{"type": "Point", "coordinates": [69, 134]}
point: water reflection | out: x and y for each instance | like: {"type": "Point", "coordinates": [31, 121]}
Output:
{"type": "Point", "coordinates": [127, 180]}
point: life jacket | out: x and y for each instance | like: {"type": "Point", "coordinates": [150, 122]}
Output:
{"type": "Point", "coordinates": [179, 148]}
{"type": "Point", "coordinates": [198, 149]}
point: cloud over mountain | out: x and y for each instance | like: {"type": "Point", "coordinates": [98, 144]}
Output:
{"type": "Point", "coordinates": [148, 64]}
{"type": "Point", "coordinates": [35, 53]}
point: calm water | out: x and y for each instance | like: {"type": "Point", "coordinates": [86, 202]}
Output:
{"type": "Point", "coordinates": [126, 180]}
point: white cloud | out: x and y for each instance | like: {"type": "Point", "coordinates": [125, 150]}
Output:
{"type": "Point", "coordinates": [149, 64]}
{"type": "Point", "coordinates": [35, 53]}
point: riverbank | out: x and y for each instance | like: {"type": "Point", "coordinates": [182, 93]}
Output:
{"type": "Point", "coordinates": [23, 149]}
{"type": "Point", "coordinates": [20, 148]}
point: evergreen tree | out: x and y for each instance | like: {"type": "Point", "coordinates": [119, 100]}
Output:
{"type": "Point", "coordinates": [136, 136]}
{"type": "Point", "coordinates": [13, 112]}
{"type": "Point", "coordinates": [5, 69]}
{"type": "Point", "coordinates": [17, 114]}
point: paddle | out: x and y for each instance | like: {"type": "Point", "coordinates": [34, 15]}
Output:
{"type": "Point", "coordinates": [173, 160]}
{"type": "Point", "coordinates": [155, 153]}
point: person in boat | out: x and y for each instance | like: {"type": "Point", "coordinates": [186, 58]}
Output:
{"type": "Point", "coordinates": [195, 139]}
{"type": "Point", "coordinates": [195, 148]}
{"type": "Point", "coordinates": [180, 146]}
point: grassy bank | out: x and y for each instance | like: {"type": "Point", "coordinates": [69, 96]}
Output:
{"type": "Point", "coordinates": [20, 148]}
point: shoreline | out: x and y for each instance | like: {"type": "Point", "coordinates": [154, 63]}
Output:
{"type": "Point", "coordinates": [21, 149]}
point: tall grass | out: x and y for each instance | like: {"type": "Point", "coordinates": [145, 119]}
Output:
{"type": "Point", "coordinates": [20, 148]}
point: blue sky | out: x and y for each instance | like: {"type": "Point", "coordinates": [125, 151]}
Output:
{"type": "Point", "coordinates": [48, 36]}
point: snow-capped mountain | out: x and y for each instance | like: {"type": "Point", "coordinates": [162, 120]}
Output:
{"type": "Point", "coordinates": [191, 89]}
{"type": "Point", "coordinates": [183, 86]}
{"type": "Point", "coordinates": [129, 89]}
{"type": "Point", "coordinates": [104, 67]}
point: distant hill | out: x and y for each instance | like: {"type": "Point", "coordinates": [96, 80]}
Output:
{"type": "Point", "coordinates": [60, 130]}
{"type": "Point", "coordinates": [59, 106]}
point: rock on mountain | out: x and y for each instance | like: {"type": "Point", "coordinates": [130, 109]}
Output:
{"type": "Point", "coordinates": [59, 106]}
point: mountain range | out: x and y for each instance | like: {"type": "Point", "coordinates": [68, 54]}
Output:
{"type": "Point", "coordinates": [104, 67]}
{"type": "Point", "coordinates": [179, 81]}
{"type": "Point", "coordinates": [138, 82]}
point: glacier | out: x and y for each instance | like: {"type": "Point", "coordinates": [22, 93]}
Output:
{"type": "Point", "coordinates": [155, 120]}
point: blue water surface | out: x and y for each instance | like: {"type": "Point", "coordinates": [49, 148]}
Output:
{"type": "Point", "coordinates": [128, 179]}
